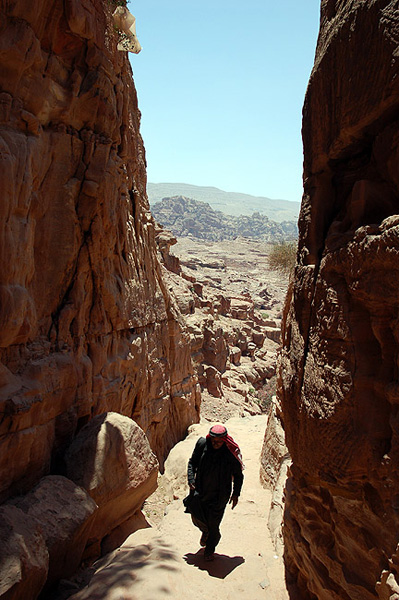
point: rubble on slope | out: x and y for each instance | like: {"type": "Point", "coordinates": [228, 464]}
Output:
{"type": "Point", "coordinates": [232, 304]}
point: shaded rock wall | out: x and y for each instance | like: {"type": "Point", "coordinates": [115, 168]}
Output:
{"type": "Point", "coordinates": [339, 372]}
{"type": "Point", "coordinates": [86, 323]}
{"type": "Point", "coordinates": [274, 464]}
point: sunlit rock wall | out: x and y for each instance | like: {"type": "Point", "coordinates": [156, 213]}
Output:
{"type": "Point", "coordinates": [86, 323]}
{"type": "Point", "coordinates": [339, 374]}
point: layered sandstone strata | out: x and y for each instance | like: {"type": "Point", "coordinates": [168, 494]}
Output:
{"type": "Point", "coordinates": [339, 373]}
{"type": "Point", "coordinates": [86, 323]}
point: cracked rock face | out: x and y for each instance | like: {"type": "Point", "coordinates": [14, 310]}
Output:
{"type": "Point", "coordinates": [338, 378]}
{"type": "Point", "coordinates": [86, 323]}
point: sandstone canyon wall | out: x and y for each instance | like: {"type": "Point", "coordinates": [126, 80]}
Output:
{"type": "Point", "coordinates": [87, 325]}
{"type": "Point", "coordinates": [339, 371]}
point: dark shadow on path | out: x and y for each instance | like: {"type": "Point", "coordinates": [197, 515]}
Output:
{"type": "Point", "coordinates": [117, 573]}
{"type": "Point", "coordinates": [220, 567]}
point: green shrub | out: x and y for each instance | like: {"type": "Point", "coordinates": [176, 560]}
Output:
{"type": "Point", "coordinates": [283, 257]}
{"type": "Point", "coordinates": [266, 393]}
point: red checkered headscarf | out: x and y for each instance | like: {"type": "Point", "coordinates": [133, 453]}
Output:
{"type": "Point", "coordinates": [220, 431]}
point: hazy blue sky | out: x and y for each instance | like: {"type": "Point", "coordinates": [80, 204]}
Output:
{"type": "Point", "coordinates": [221, 87]}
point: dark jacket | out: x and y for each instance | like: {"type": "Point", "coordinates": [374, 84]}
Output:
{"type": "Point", "coordinates": [213, 472]}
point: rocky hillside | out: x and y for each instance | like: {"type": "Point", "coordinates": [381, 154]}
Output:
{"type": "Point", "coordinates": [95, 364]}
{"type": "Point", "coordinates": [185, 216]}
{"type": "Point", "coordinates": [339, 372]}
{"type": "Point", "coordinates": [231, 203]}
{"type": "Point", "coordinates": [232, 304]}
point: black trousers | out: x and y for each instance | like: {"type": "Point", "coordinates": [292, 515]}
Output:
{"type": "Point", "coordinates": [209, 524]}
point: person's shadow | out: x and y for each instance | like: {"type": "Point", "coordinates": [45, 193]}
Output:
{"type": "Point", "coordinates": [220, 567]}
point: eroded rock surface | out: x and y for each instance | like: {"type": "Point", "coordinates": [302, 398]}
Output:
{"type": "Point", "coordinates": [275, 461]}
{"type": "Point", "coordinates": [338, 378]}
{"type": "Point", "coordinates": [24, 558]}
{"type": "Point", "coordinates": [63, 513]}
{"type": "Point", "coordinates": [86, 324]}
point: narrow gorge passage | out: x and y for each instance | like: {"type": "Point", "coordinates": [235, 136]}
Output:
{"type": "Point", "coordinates": [166, 561]}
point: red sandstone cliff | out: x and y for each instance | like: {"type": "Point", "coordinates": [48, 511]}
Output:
{"type": "Point", "coordinates": [86, 323]}
{"type": "Point", "coordinates": [339, 371]}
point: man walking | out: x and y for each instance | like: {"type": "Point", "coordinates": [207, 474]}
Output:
{"type": "Point", "coordinates": [214, 468]}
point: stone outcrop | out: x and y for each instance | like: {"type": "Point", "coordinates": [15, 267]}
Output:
{"type": "Point", "coordinates": [87, 324]}
{"type": "Point", "coordinates": [62, 521]}
{"type": "Point", "coordinates": [125, 22]}
{"type": "Point", "coordinates": [63, 512]}
{"type": "Point", "coordinates": [111, 459]}
{"type": "Point", "coordinates": [338, 380]}
{"type": "Point", "coordinates": [24, 557]}
{"type": "Point", "coordinates": [185, 216]}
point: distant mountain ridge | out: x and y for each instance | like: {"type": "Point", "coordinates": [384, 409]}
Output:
{"type": "Point", "coordinates": [188, 217]}
{"type": "Point", "coordinates": [231, 203]}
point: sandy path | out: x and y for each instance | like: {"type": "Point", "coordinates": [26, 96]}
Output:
{"type": "Point", "coordinates": [167, 562]}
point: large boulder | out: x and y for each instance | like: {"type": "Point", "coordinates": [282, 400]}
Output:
{"type": "Point", "coordinates": [64, 513]}
{"type": "Point", "coordinates": [339, 369]}
{"type": "Point", "coordinates": [24, 558]}
{"type": "Point", "coordinates": [112, 459]}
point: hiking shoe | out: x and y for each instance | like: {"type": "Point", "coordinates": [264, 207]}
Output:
{"type": "Point", "coordinates": [203, 539]}
{"type": "Point", "coordinates": [209, 557]}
